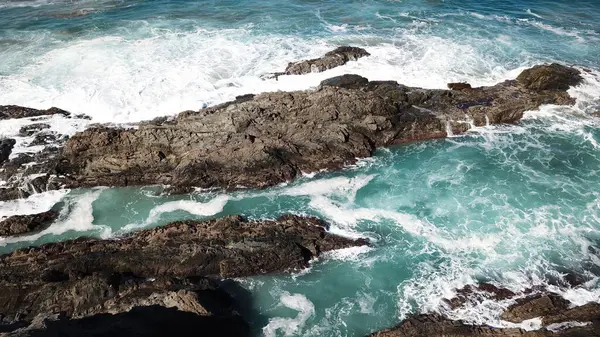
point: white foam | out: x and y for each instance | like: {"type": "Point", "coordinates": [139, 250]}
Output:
{"type": "Point", "coordinates": [59, 125]}
{"type": "Point", "coordinates": [290, 326]}
{"type": "Point", "coordinates": [209, 208]}
{"type": "Point", "coordinates": [36, 203]}
{"type": "Point", "coordinates": [342, 186]}
{"type": "Point", "coordinates": [347, 254]}
{"type": "Point", "coordinates": [556, 327]}
{"type": "Point", "coordinates": [154, 72]}
{"type": "Point", "coordinates": [533, 14]}
{"type": "Point", "coordinates": [79, 218]}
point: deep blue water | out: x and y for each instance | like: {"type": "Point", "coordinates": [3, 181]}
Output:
{"type": "Point", "coordinates": [513, 205]}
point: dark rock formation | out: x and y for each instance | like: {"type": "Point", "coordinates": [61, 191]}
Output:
{"type": "Point", "coordinates": [438, 326]}
{"type": "Point", "coordinates": [549, 77]}
{"type": "Point", "coordinates": [534, 306]}
{"type": "Point", "coordinates": [31, 129]}
{"type": "Point", "coordinates": [267, 139]}
{"type": "Point", "coordinates": [6, 146]}
{"type": "Point", "coordinates": [21, 224]}
{"type": "Point", "coordinates": [335, 58]}
{"type": "Point", "coordinates": [332, 59]}
{"type": "Point", "coordinates": [554, 311]}
{"type": "Point", "coordinates": [478, 292]}
{"type": "Point", "coordinates": [44, 138]}
{"type": "Point", "coordinates": [459, 86]}
{"type": "Point", "coordinates": [165, 266]}
{"type": "Point", "coordinates": [125, 305]}
{"type": "Point", "coordinates": [263, 140]}
{"type": "Point", "coordinates": [14, 111]}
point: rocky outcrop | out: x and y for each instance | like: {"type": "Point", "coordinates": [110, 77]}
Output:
{"type": "Point", "coordinates": [459, 86]}
{"type": "Point", "coordinates": [534, 306]}
{"type": "Point", "coordinates": [14, 111]}
{"type": "Point", "coordinates": [335, 58]}
{"type": "Point", "coordinates": [557, 315]}
{"type": "Point", "coordinates": [21, 224]}
{"type": "Point", "coordinates": [332, 59]}
{"type": "Point", "coordinates": [167, 266]}
{"type": "Point", "coordinates": [263, 140]}
{"type": "Point", "coordinates": [125, 305]}
{"type": "Point", "coordinates": [438, 326]}
{"type": "Point", "coordinates": [6, 146]}
{"type": "Point", "coordinates": [549, 77]}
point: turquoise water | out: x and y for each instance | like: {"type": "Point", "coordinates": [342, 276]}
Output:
{"type": "Point", "coordinates": [514, 205]}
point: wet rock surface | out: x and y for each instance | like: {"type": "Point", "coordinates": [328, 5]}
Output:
{"type": "Point", "coordinates": [14, 111]}
{"type": "Point", "coordinates": [31, 129]}
{"type": "Point", "coordinates": [175, 266]}
{"type": "Point", "coordinates": [22, 224]}
{"type": "Point", "coordinates": [558, 316]}
{"type": "Point", "coordinates": [263, 140]}
{"type": "Point", "coordinates": [549, 77]}
{"type": "Point", "coordinates": [335, 58]}
{"type": "Point", "coordinates": [6, 147]}
{"type": "Point", "coordinates": [438, 326]}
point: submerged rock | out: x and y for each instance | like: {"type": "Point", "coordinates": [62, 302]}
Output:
{"type": "Point", "coordinates": [165, 266]}
{"type": "Point", "coordinates": [31, 129]}
{"type": "Point", "coordinates": [21, 224]}
{"type": "Point", "coordinates": [14, 111]}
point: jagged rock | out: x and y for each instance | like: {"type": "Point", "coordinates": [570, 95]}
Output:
{"type": "Point", "coordinates": [535, 306]}
{"type": "Point", "coordinates": [335, 58]}
{"type": "Point", "coordinates": [31, 129]}
{"type": "Point", "coordinates": [549, 77]}
{"type": "Point", "coordinates": [266, 139]}
{"type": "Point", "coordinates": [345, 81]}
{"type": "Point", "coordinates": [6, 146]}
{"type": "Point", "coordinates": [438, 326]}
{"type": "Point", "coordinates": [159, 266]}
{"type": "Point", "coordinates": [14, 111]}
{"type": "Point", "coordinates": [459, 86]}
{"type": "Point", "coordinates": [21, 224]}
{"type": "Point", "coordinates": [125, 305]}
{"type": "Point", "coordinates": [332, 59]}
{"type": "Point", "coordinates": [479, 292]}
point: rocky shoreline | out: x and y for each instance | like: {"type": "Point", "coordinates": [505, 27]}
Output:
{"type": "Point", "coordinates": [170, 280]}
{"type": "Point", "coordinates": [558, 317]}
{"type": "Point", "coordinates": [171, 273]}
{"type": "Point", "coordinates": [263, 140]}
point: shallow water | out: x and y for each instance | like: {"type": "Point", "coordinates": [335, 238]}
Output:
{"type": "Point", "coordinates": [515, 205]}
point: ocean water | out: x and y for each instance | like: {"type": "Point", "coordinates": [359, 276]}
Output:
{"type": "Point", "coordinates": [517, 206]}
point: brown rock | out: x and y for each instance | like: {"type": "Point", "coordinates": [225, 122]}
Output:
{"type": "Point", "coordinates": [262, 140]}
{"type": "Point", "coordinates": [87, 276]}
{"type": "Point", "coordinates": [6, 146]}
{"type": "Point", "coordinates": [535, 306]}
{"type": "Point", "coordinates": [549, 77]}
{"type": "Point", "coordinates": [332, 59]}
{"type": "Point", "coordinates": [14, 111]}
{"type": "Point", "coordinates": [479, 292]}
{"type": "Point", "coordinates": [437, 326]}
{"type": "Point", "coordinates": [21, 224]}
{"type": "Point", "coordinates": [459, 86]}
